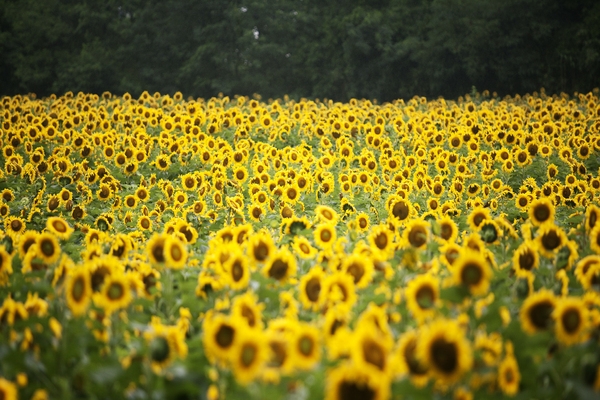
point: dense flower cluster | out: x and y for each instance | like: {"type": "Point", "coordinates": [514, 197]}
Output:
{"type": "Point", "coordinates": [227, 247]}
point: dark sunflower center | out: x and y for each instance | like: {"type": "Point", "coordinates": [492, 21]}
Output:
{"type": "Point", "coordinates": [15, 225]}
{"type": "Point", "coordinates": [48, 248]}
{"type": "Point", "coordinates": [541, 213]}
{"type": "Point", "coordinates": [425, 297]}
{"type": "Point", "coordinates": [414, 366]}
{"type": "Point", "coordinates": [325, 235]}
{"type": "Point", "coordinates": [400, 210]}
{"type": "Point", "coordinates": [417, 237]}
{"type": "Point", "coordinates": [78, 289]}
{"type": "Point", "coordinates": [354, 391]}
{"type": "Point", "coordinates": [248, 354]}
{"type": "Point", "coordinates": [509, 376]}
{"type": "Point", "coordinates": [381, 241]}
{"type": "Point", "coordinates": [306, 346]}
{"type": "Point", "coordinates": [446, 231]}
{"type": "Point", "coordinates": [115, 291]}
{"type": "Point", "coordinates": [362, 223]}
{"type": "Point", "coordinates": [571, 320]}
{"type": "Point", "coordinates": [471, 274]}
{"type": "Point", "coordinates": [313, 289]}
{"type": "Point", "coordinates": [526, 261]}
{"type": "Point", "coordinates": [249, 315]}
{"type": "Point", "coordinates": [158, 252]}
{"type": "Point", "coordinates": [551, 240]}
{"type": "Point", "coordinates": [374, 354]}
{"type": "Point", "coordinates": [444, 355]}
{"type": "Point", "coordinates": [278, 353]}
{"type": "Point", "coordinates": [159, 349]}
{"type": "Point", "coordinates": [176, 253]}
{"type": "Point", "coordinates": [357, 271]}
{"type": "Point", "coordinates": [237, 271]}
{"type": "Point", "coordinates": [540, 313]}
{"type": "Point", "coordinates": [278, 269]}
{"type": "Point", "coordinates": [261, 252]}
{"type": "Point", "coordinates": [224, 336]}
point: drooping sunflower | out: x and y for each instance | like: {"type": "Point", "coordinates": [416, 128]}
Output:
{"type": "Point", "coordinates": [536, 311]}
{"type": "Point", "coordinates": [570, 320]}
{"type": "Point", "coordinates": [422, 296]}
{"type": "Point", "coordinates": [445, 351]}
{"type": "Point", "coordinates": [541, 211]}
{"type": "Point", "coordinates": [78, 291]}
{"type": "Point", "coordinates": [471, 270]}
{"type": "Point", "coordinates": [311, 288]}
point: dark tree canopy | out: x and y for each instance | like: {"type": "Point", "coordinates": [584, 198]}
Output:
{"type": "Point", "coordinates": [383, 49]}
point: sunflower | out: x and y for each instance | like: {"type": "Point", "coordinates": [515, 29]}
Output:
{"type": "Point", "coordinates": [326, 214]}
{"type": "Point", "coordinates": [115, 293]}
{"type": "Point", "coordinates": [509, 376]}
{"type": "Point", "coordinates": [550, 238]}
{"type": "Point", "coordinates": [349, 381]}
{"type": "Point", "coordinates": [422, 296]}
{"type": "Point", "coordinates": [445, 351]}
{"type": "Point", "coordinates": [592, 215]}
{"type": "Point", "coordinates": [5, 265]}
{"type": "Point", "coordinates": [281, 265]}
{"type": "Point", "coordinates": [416, 234]}
{"type": "Point", "coordinates": [595, 239]}
{"type": "Point", "coordinates": [174, 252]}
{"type": "Point", "coordinates": [305, 345]}
{"type": "Point", "coordinates": [59, 227]}
{"type": "Point", "coordinates": [248, 309]}
{"type": "Point", "coordinates": [325, 235]}
{"type": "Point", "coordinates": [361, 269]}
{"type": "Point", "coordinates": [237, 271]}
{"type": "Point", "coordinates": [472, 271]}
{"type": "Point", "coordinates": [303, 248]}
{"type": "Point", "coordinates": [370, 349]}
{"type": "Point", "coordinates": [381, 241]}
{"type": "Point", "coordinates": [47, 247]}
{"type": "Point", "coordinates": [541, 211]}
{"type": "Point", "coordinates": [525, 259]}
{"type": "Point", "coordinates": [219, 336]}
{"type": "Point", "coordinates": [570, 320]}
{"type": "Point", "coordinates": [165, 343]}
{"type": "Point", "coordinates": [248, 355]}
{"type": "Point", "coordinates": [406, 361]}
{"type": "Point", "coordinates": [311, 284]}
{"type": "Point", "coordinates": [8, 390]}
{"type": "Point", "coordinates": [536, 311]}
{"type": "Point", "coordinates": [78, 291]}
{"type": "Point", "coordinates": [362, 222]}
{"type": "Point", "coordinates": [477, 217]}
{"type": "Point", "coordinates": [490, 232]}
{"type": "Point", "coordinates": [156, 248]}
{"type": "Point", "coordinates": [14, 227]}
{"type": "Point", "coordinates": [338, 288]}
{"type": "Point", "coordinates": [261, 246]}
{"type": "Point", "coordinates": [448, 230]}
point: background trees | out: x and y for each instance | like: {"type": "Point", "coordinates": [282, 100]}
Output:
{"type": "Point", "coordinates": [383, 49]}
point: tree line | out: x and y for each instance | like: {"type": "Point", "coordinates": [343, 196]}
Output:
{"type": "Point", "coordinates": [378, 49]}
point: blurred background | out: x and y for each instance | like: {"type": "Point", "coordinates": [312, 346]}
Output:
{"type": "Point", "coordinates": [332, 49]}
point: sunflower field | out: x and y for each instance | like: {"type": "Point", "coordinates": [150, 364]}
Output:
{"type": "Point", "coordinates": [172, 248]}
